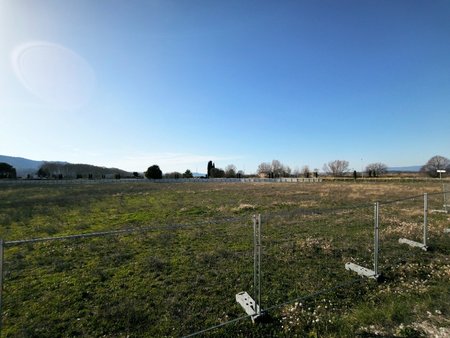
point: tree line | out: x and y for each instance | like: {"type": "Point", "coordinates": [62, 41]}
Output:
{"type": "Point", "coordinates": [274, 169]}
{"type": "Point", "coordinates": [155, 173]}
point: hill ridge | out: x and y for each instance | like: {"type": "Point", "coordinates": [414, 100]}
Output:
{"type": "Point", "coordinates": [26, 167]}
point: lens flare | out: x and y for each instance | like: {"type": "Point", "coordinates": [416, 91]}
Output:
{"type": "Point", "coordinates": [53, 73]}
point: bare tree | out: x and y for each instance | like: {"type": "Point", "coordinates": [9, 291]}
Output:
{"type": "Point", "coordinates": [286, 172]}
{"type": "Point", "coordinates": [277, 168]}
{"type": "Point", "coordinates": [434, 164]}
{"type": "Point", "coordinates": [280, 170]}
{"type": "Point", "coordinates": [274, 169]}
{"type": "Point", "coordinates": [230, 171]}
{"type": "Point", "coordinates": [306, 171]}
{"type": "Point", "coordinates": [316, 172]}
{"type": "Point", "coordinates": [336, 168]}
{"type": "Point", "coordinates": [376, 169]}
{"type": "Point", "coordinates": [264, 169]}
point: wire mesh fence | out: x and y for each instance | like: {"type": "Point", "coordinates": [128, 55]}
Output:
{"type": "Point", "coordinates": [161, 282]}
{"type": "Point", "coordinates": [306, 252]}
{"type": "Point", "coordinates": [402, 224]}
{"type": "Point", "coordinates": [181, 279]}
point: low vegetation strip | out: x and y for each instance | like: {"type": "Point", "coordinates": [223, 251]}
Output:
{"type": "Point", "coordinates": [180, 280]}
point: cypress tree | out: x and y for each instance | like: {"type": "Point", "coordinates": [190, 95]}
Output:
{"type": "Point", "coordinates": [210, 166]}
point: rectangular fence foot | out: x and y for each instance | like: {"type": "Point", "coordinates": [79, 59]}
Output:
{"type": "Point", "coordinates": [435, 211]}
{"type": "Point", "coordinates": [362, 271]}
{"type": "Point", "coordinates": [250, 306]}
{"type": "Point", "coordinates": [447, 231]}
{"type": "Point", "coordinates": [413, 244]}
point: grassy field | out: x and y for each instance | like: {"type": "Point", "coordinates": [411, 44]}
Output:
{"type": "Point", "coordinates": [180, 274]}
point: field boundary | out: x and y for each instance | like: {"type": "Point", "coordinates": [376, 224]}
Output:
{"type": "Point", "coordinates": [165, 180]}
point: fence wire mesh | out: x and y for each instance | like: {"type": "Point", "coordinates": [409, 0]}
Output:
{"type": "Point", "coordinates": [403, 219]}
{"type": "Point", "coordinates": [306, 252]}
{"type": "Point", "coordinates": [162, 283]}
{"type": "Point", "coordinates": [181, 279]}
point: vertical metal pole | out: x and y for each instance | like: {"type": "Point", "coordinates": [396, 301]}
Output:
{"type": "Point", "coordinates": [254, 258]}
{"type": "Point", "coordinates": [376, 242]}
{"type": "Point", "coordinates": [425, 219]}
{"type": "Point", "coordinates": [445, 197]}
{"type": "Point", "coordinates": [259, 264]}
{"type": "Point", "coordinates": [1, 284]}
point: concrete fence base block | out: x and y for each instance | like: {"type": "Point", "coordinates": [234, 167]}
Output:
{"type": "Point", "coordinates": [436, 211]}
{"type": "Point", "coordinates": [250, 306]}
{"type": "Point", "coordinates": [413, 244]}
{"type": "Point", "coordinates": [362, 271]}
{"type": "Point", "coordinates": [447, 231]}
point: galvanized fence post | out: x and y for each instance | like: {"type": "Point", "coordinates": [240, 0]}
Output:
{"type": "Point", "coordinates": [259, 265]}
{"type": "Point", "coordinates": [376, 238]}
{"type": "Point", "coordinates": [425, 219]}
{"type": "Point", "coordinates": [445, 187]}
{"type": "Point", "coordinates": [255, 258]}
{"type": "Point", "coordinates": [257, 261]}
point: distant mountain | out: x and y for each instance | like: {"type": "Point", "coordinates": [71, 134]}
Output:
{"type": "Point", "coordinates": [56, 169]}
{"type": "Point", "coordinates": [23, 166]}
{"type": "Point", "coordinates": [413, 168]}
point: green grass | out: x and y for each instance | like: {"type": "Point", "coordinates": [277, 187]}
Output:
{"type": "Point", "coordinates": [181, 274]}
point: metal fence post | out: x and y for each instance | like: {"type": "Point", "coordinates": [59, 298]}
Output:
{"type": "Point", "coordinates": [376, 238]}
{"type": "Point", "coordinates": [254, 258]}
{"type": "Point", "coordinates": [257, 261]}
{"type": "Point", "coordinates": [425, 219]}
{"type": "Point", "coordinates": [444, 186]}
{"type": "Point", "coordinates": [259, 265]}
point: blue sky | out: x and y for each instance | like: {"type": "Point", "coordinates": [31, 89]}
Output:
{"type": "Point", "coordinates": [129, 84]}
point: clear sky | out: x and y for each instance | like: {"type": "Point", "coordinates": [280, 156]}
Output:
{"type": "Point", "coordinates": [129, 84]}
